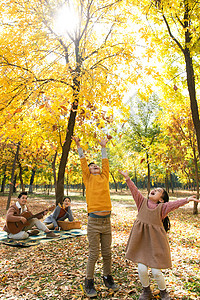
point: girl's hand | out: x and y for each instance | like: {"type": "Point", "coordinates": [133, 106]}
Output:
{"type": "Point", "coordinates": [193, 198]}
{"type": "Point", "coordinates": [124, 173]}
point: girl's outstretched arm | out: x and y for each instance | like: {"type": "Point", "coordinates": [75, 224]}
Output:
{"type": "Point", "coordinates": [137, 196]}
{"type": "Point", "coordinates": [172, 205]}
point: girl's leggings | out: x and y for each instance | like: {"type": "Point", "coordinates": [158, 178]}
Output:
{"type": "Point", "coordinates": [157, 274]}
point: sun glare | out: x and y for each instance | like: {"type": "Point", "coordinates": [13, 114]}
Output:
{"type": "Point", "coordinates": [66, 20]}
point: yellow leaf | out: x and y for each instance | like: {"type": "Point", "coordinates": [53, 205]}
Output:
{"type": "Point", "coordinates": [4, 278]}
{"type": "Point", "coordinates": [82, 288]}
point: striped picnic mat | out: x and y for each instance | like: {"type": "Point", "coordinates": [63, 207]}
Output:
{"type": "Point", "coordinates": [40, 238]}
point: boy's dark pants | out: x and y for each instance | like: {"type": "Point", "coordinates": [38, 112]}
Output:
{"type": "Point", "coordinates": [99, 233]}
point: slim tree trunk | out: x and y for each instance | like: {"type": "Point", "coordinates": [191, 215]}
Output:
{"type": "Point", "coordinates": [83, 188]}
{"type": "Point", "coordinates": [67, 182]}
{"type": "Point", "coordinates": [114, 181]}
{"type": "Point", "coordinates": [166, 184]}
{"type": "Point", "coordinates": [172, 182]}
{"type": "Point", "coordinates": [149, 174]}
{"type": "Point", "coordinates": [192, 93]}
{"type": "Point", "coordinates": [4, 180]}
{"type": "Point", "coordinates": [135, 176]}
{"type": "Point", "coordinates": [12, 176]}
{"type": "Point", "coordinates": [14, 183]}
{"type": "Point", "coordinates": [21, 178]}
{"type": "Point", "coordinates": [195, 207]}
{"type": "Point", "coordinates": [54, 170]}
{"type": "Point", "coordinates": [31, 181]}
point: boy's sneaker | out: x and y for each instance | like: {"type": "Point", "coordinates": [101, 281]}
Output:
{"type": "Point", "coordinates": [51, 235]}
{"type": "Point", "coordinates": [164, 295]}
{"type": "Point", "coordinates": [109, 283]}
{"type": "Point", "coordinates": [89, 288]}
{"type": "Point", "coordinates": [33, 232]}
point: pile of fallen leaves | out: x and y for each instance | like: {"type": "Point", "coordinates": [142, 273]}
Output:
{"type": "Point", "coordinates": [56, 269]}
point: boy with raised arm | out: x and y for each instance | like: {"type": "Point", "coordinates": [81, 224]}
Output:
{"type": "Point", "coordinates": [99, 211]}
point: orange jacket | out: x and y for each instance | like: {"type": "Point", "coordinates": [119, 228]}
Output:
{"type": "Point", "coordinates": [97, 187]}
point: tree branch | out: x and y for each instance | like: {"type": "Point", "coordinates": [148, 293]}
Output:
{"type": "Point", "coordinates": [171, 35]}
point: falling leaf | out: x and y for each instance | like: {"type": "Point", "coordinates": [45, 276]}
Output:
{"type": "Point", "coordinates": [64, 107]}
{"type": "Point", "coordinates": [109, 137]}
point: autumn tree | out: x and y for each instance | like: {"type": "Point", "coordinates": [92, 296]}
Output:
{"type": "Point", "coordinates": [180, 145]}
{"type": "Point", "coordinates": [4, 165]}
{"type": "Point", "coordinates": [141, 130]}
{"type": "Point", "coordinates": [76, 70]}
{"type": "Point", "coordinates": [175, 30]}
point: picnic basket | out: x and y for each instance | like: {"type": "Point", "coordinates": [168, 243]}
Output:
{"type": "Point", "coordinates": [66, 225]}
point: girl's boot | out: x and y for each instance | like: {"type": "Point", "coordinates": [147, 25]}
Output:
{"type": "Point", "coordinates": [146, 294]}
{"type": "Point", "coordinates": [164, 295]}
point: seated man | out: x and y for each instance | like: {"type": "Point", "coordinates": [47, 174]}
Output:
{"type": "Point", "coordinates": [15, 215]}
{"type": "Point", "coordinates": [60, 213]}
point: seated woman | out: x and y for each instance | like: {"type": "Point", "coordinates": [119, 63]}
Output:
{"type": "Point", "coordinates": [60, 213]}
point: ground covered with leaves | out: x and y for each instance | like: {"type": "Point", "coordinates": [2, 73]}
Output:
{"type": "Point", "coordinates": [56, 269]}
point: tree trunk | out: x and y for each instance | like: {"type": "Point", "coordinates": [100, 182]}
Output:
{"type": "Point", "coordinates": [135, 180]}
{"type": "Point", "coordinates": [67, 182]}
{"type": "Point", "coordinates": [148, 175]}
{"type": "Point", "coordinates": [21, 178]}
{"type": "Point", "coordinates": [83, 189]}
{"type": "Point", "coordinates": [12, 176]}
{"type": "Point", "coordinates": [195, 207]}
{"type": "Point", "coordinates": [54, 170]}
{"type": "Point", "coordinates": [172, 182]}
{"type": "Point", "coordinates": [65, 153]}
{"type": "Point", "coordinates": [76, 74]}
{"type": "Point", "coordinates": [167, 182]}
{"type": "Point", "coordinates": [31, 181]}
{"type": "Point", "coordinates": [14, 183]}
{"type": "Point", "coordinates": [114, 181]}
{"type": "Point", "coordinates": [192, 94]}
{"type": "Point", "coordinates": [4, 180]}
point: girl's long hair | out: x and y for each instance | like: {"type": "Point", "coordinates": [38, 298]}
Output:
{"type": "Point", "coordinates": [166, 221]}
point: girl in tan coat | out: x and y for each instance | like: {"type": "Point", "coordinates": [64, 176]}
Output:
{"type": "Point", "coordinates": [148, 244]}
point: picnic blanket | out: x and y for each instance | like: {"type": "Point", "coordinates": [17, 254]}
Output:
{"type": "Point", "coordinates": [40, 238]}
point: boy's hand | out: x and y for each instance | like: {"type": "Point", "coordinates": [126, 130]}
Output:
{"type": "Point", "coordinates": [76, 140]}
{"type": "Point", "coordinates": [124, 173]}
{"type": "Point", "coordinates": [103, 143]}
